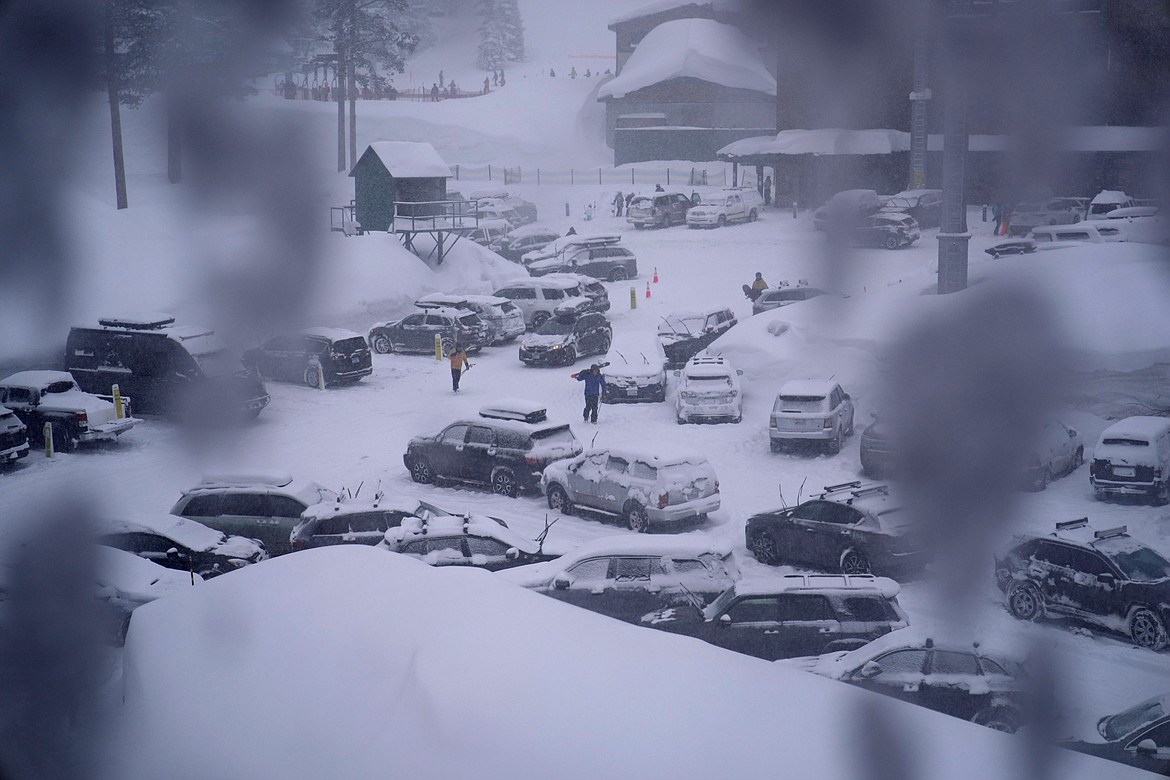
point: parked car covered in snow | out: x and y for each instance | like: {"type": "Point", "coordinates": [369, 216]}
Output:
{"type": "Point", "coordinates": [1105, 577]}
{"type": "Point", "coordinates": [462, 541]}
{"type": "Point", "coordinates": [180, 543]}
{"type": "Point", "coordinates": [1059, 451]}
{"type": "Point", "coordinates": [816, 410]}
{"type": "Point", "coordinates": [1095, 232]}
{"type": "Point", "coordinates": [166, 368]}
{"type": "Point", "coordinates": [1138, 736]}
{"type": "Point", "coordinates": [685, 334]}
{"type": "Point", "coordinates": [538, 298]}
{"type": "Point", "coordinates": [626, 577]}
{"type": "Point", "coordinates": [1053, 211]}
{"type": "Point", "coordinates": [573, 332]}
{"type": "Point", "coordinates": [845, 209]}
{"type": "Point", "coordinates": [640, 489]}
{"type": "Point", "coordinates": [498, 213]}
{"type": "Point", "coordinates": [851, 528]}
{"type": "Point", "coordinates": [660, 209]}
{"type": "Point", "coordinates": [708, 391]}
{"type": "Point", "coordinates": [259, 506]}
{"type": "Point", "coordinates": [636, 370]}
{"type": "Point", "coordinates": [417, 332]}
{"type": "Point", "coordinates": [361, 522]}
{"type": "Point", "coordinates": [892, 230]}
{"type": "Point", "coordinates": [522, 240]}
{"type": "Point", "coordinates": [790, 616]}
{"type": "Point", "coordinates": [924, 205]}
{"type": "Point", "coordinates": [13, 437]}
{"type": "Point", "coordinates": [1132, 458]}
{"type": "Point", "coordinates": [525, 210]}
{"type": "Point", "coordinates": [1106, 201]}
{"type": "Point", "coordinates": [77, 417]}
{"type": "Point", "coordinates": [506, 447]}
{"type": "Point", "coordinates": [600, 259]}
{"type": "Point", "coordinates": [962, 680]}
{"type": "Point", "coordinates": [565, 243]}
{"type": "Point", "coordinates": [591, 288]}
{"type": "Point", "coordinates": [488, 231]}
{"type": "Point", "coordinates": [123, 582]}
{"type": "Point", "coordinates": [503, 319]}
{"type": "Point", "coordinates": [778, 297]}
{"type": "Point", "coordinates": [741, 204]}
{"type": "Point", "coordinates": [341, 356]}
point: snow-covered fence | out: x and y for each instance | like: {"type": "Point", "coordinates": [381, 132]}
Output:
{"type": "Point", "coordinates": [676, 177]}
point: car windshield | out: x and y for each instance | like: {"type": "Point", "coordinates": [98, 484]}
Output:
{"type": "Point", "coordinates": [641, 203]}
{"type": "Point", "coordinates": [1117, 726]}
{"type": "Point", "coordinates": [719, 605]}
{"type": "Point", "coordinates": [219, 363]}
{"type": "Point", "coordinates": [1127, 442]}
{"type": "Point", "coordinates": [60, 387]}
{"type": "Point", "coordinates": [349, 345]}
{"type": "Point", "coordinates": [1142, 564]}
{"type": "Point", "coordinates": [800, 404]}
{"type": "Point", "coordinates": [554, 436]}
{"type": "Point", "coordinates": [508, 308]}
{"type": "Point", "coordinates": [470, 320]}
{"type": "Point", "coordinates": [556, 326]}
{"type": "Point", "coordinates": [707, 381]}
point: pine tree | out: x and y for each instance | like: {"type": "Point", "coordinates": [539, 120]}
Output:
{"type": "Point", "coordinates": [501, 34]}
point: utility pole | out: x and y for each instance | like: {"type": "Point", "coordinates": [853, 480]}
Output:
{"type": "Point", "coordinates": [339, 94]}
{"type": "Point", "coordinates": [115, 109]}
{"type": "Point", "coordinates": [920, 95]}
{"type": "Point", "coordinates": [953, 236]}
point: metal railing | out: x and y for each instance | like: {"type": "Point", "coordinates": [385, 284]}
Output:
{"type": "Point", "coordinates": [616, 177]}
{"type": "Point", "coordinates": [435, 215]}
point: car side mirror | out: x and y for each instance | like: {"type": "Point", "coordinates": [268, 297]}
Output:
{"type": "Point", "coordinates": [724, 620]}
{"type": "Point", "coordinates": [512, 554]}
{"type": "Point", "coordinates": [1146, 747]}
{"type": "Point", "coordinates": [870, 670]}
{"type": "Point", "coordinates": [561, 582]}
{"type": "Point", "coordinates": [1106, 579]}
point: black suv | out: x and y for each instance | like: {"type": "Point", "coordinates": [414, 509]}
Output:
{"type": "Point", "coordinates": [686, 334]}
{"type": "Point", "coordinates": [849, 527]}
{"type": "Point", "coordinates": [570, 333]}
{"type": "Point", "coordinates": [341, 356]}
{"type": "Point", "coordinates": [417, 332]}
{"type": "Point", "coordinates": [164, 367]}
{"type": "Point", "coordinates": [1138, 736]}
{"type": "Point", "coordinates": [181, 543]}
{"type": "Point", "coordinates": [794, 615]}
{"type": "Point", "coordinates": [1106, 578]}
{"type": "Point", "coordinates": [506, 447]}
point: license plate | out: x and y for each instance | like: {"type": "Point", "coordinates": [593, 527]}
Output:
{"type": "Point", "coordinates": [356, 359]}
{"type": "Point", "coordinates": [1124, 471]}
{"type": "Point", "coordinates": [631, 391]}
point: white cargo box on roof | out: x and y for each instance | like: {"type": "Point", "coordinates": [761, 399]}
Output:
{"type": "Point", "coordinates": [515, 409]}
{"type": "Point", "coordinates": [143, 321]}
{"type": "Point", "coordinates": [247, 479]}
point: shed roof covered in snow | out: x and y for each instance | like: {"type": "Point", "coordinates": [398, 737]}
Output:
{"type": "Point", "coordinates": [693, 48]}
{"type": "Point", "coordinates": [407, 159]}
{"type": "Point", "coordinates": [664, 6]}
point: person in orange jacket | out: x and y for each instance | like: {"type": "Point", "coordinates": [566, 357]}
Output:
{"type": "Point", "coordinates": [459, 361]}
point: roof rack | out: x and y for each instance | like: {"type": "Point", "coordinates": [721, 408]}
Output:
{"type": "Point", "coordinates": [842, 486]}
{"type": "Point", "coordinates": [1109, 533]}
{"type": "Point", "coordinates": [1069, 525]}
{"type": "Point", "coordinates": [522, 411]}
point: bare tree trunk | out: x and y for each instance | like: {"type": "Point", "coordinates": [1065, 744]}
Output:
{"type": "Point", "coordinates": [115, 109]}
{"type": "Point", "coordinates": [351, 92]}
{"type": "Point", "coordinates": [174, 142]}
{"type": "Point", "coordinates": [340, 71]}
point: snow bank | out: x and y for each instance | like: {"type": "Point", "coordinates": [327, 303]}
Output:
{"type": "Point", "coordinates": [349, 662]}
{"type": "Point", "coordinates": [694, 48]}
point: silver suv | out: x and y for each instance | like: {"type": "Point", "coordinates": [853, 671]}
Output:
{"type": "Point", "coordinates": [638, 488]}
{"type": "Point", "coordinates": [811, 409]}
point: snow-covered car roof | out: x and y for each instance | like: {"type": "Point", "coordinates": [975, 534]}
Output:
{"type": "Point", "coordinates": [693, 545]}
{"type": "Point", "coordinates": [1127, 212]}
{"type": "Point", "coordinates": [353, 507]}
{"type": "Point", "coordinates": [333, 334]}
{"type": "Point", "coordinates": [524, 231]}
{"type": "Point", "coordinates": [655, 459]}
{"type": "Point", "coordinates": [1139, 428]}
{"type": "Point", "coordinates": [817, 387]}
{"type": "Point", "coordinates": [448, 311]}
{"type": "Point", "coordinates": [136, 579]}
{"type": "Point", "coordinates": [484, 194]}
{"type": "Point", "coordinates": [580, 279]}
{"type": "Point", "coordinates": [452, 301]}
{"type": "Point", "coordinates": [788, 583]}
{"type": "Point", "coordinates": [37, 379]}
{"type": "Point", "coordinates": [548, 282]}
{"type": "Point", "coordinates": [852, 196]}
{"type": "Point", "coordinates": [245, 479]}
{"type": "Point", "coordinates": [455, 525]}
{"type": "Point", "coordinates": [914, 194]}
{"type": "Point", "coordinates": [912, 637]}
{"type": "Point", "coordinates": [708, 365]}
{"type": "Point", "coordinates": [1109, 196]}
{"type": "Point", "coordinates": [145, 320]}
{"type": "Point", "coordinates": [682, 322]}
{"type": "Point", "coordinates": [189, 533]}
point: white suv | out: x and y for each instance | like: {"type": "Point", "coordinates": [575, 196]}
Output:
{"type": "Point", "coordinates": [538, 298]}
{"type": "Point", "coordinates": [816, 409]}
{"type": "Point", "coordinates": [741, 204]}
{"type": "Point", "coordinates": [708, 391]}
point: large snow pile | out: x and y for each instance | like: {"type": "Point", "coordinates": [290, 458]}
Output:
{"type": "Point", "coordinates": [694, 48]}
{"type": "Point", "coordinates": [354, 662]}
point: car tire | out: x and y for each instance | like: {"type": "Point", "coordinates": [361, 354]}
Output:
{"type": "Point", "coordinates": [618, 275]}
{"type": "Point", "coordinates": [539, 318]}
{"type": "Point", "coordinates": [1045, 478]}
{"type": "Point", "coordinates": [504, 483]}
{"type": "Point", "coordinates": [722, 221]}
{"type": "Point", "coordinates": [311, 377]}
{"type": "Point", "coordinates": [636, 519]}
{"type": "Point", "coordinates": [639, 226]}
{"type": "Point", "coordinates": [606, 343]}
{"type": "Point", "coordinates": [1002, 719]}
{"type": "Point", "coordinates": [570, 356]}
{"type": "Point", "coordinates": [664, 221]}
{"type": "Point", "coordinates": [1078, 460]}
{"type": "Point", "coordinates": [775, 446]}
{"type": "Point", "coordinates": [421, 471]}
{"type": "Point", "coordinates": [766, 549]}
{"type": "Point", "coordinates": [834, 445]}
{"type": "Point", "coordinates": [63, 440]}
{"type": "Point", "coordinates": [1147, 630]}
{"type": "Point", "coordinates": [892, 242]}
{"type": "Point", "coordinates": [753, 216]}
{"type": "Point", "coordinates": [854, 561]}
{"type": "Point", "coordinates": [1024, 602]}
{"type": "Point", "coordinates": [382, 344]}
{"type": "Point", "coordinates": [1161, 496]}
{"type": "Point", "coordinates": [558, 500]}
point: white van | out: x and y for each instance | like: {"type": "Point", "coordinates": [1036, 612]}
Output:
{"type": "Point", "coordinates": [1132, 457]}
{"type": "Point", "coordinates": [1091, 232]}
{"type": "Point", "coordinates": [1107, 201]}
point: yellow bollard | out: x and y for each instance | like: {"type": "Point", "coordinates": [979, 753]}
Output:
{"type": "Point", "coordinates": [118, 413]}
{"type": "Point", "coordinates": [633, 298]}
{"type": "Point", "coordinates": [47, 431]}
{"type": "Point", "coordinates": [438, 348]}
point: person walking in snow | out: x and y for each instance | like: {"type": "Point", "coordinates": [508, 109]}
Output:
{"type": "Point", "coordinates": [440, 77]}
{"type": "Point", "coordinates": [617, 204]}
{"type": "Point", "coordinates": [594, 386]}
{"type": "Point", "coordinates": [552, 74]}
{"type": "Point", "coordinates": [434, 93]}
{"type": "Point", "coordinates": [459, 362]}
{"type": "Point", "coordinates": [485, 85]}
{"type": "Point", "coordinates": [495, 78]}
{"type": "Point", "coordinates": [768, 191]}
{"type": "Point", "coordinates": [502, 77]}
{"type": "Point", "coordinates": [573, 72]}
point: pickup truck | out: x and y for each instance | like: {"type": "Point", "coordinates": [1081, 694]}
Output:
{"type": "Point", "coordinates": [13, 437]}
{"type": "Point", "coordinates": [739, 205]}
{"type": "Point", "coordinates": [39, 397]}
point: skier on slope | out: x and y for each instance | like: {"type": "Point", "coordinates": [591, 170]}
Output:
{"type": "Point", "coordinates": [594, 385]}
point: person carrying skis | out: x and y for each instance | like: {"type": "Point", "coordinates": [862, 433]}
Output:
{"type": "Point", "coordinates": [594, 385]}
{"type": "Point", "coordinates": [459, 361]}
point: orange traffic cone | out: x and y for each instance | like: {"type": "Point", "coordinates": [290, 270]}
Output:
{"type": "Point", "coordinates": [647, 289]}
{"type": "Point", "coordinates": [655, 274]}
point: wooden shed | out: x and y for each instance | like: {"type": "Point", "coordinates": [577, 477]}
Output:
{"type": "Point", "coordinates": [402, 171]}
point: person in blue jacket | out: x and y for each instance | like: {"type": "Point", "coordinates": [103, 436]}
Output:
{"type": "Point", "coordinates": [594, 385]}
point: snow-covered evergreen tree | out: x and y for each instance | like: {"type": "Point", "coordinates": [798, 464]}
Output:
{"type": "Point", "coordinates": [501, 34]}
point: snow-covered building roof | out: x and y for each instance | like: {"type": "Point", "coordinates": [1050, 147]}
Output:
{"type": "Point", "coordinates": [408, 159]}
{"type": "Point", "coordinates": [662, 6]}
{"type": "Point", "coordinates": [693, 48]}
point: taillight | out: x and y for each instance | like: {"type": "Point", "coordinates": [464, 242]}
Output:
{"type": "Point", "coordinates": [662, 499]}
{"type": "Point", "coordinates": [531, 461]}
{"type": "Point", "coordinates": [82, 419]}
{"type": "Point", "coordinates": [298, 544]}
